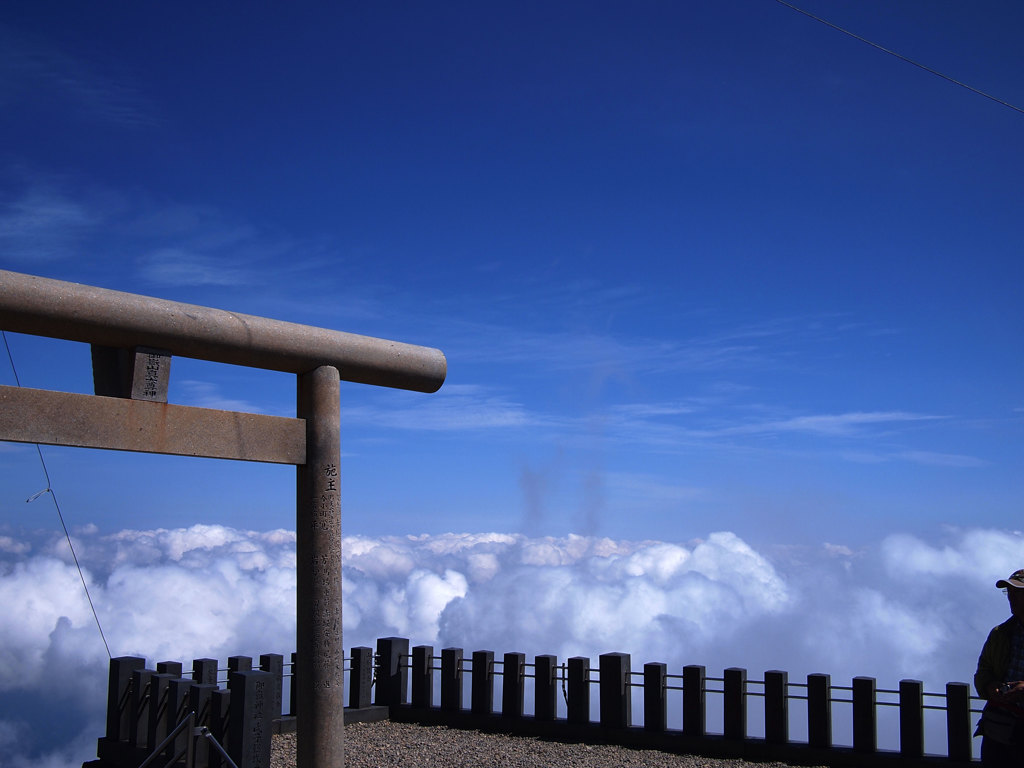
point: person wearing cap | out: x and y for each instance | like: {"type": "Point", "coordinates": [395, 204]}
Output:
{"type": "Point", "coordinates": [1000, 681]}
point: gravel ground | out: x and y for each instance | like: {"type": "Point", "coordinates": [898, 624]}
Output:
{"type": "Point", "coordinates": [400, 745]}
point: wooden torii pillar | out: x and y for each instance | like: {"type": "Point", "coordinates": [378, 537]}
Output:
{"type": "Point", "coordinates": [133, 339]}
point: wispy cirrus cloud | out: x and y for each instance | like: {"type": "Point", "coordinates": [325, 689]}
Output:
{"type": "Point", "coordinates": [714, 346]}
{"type": "Point", "coordinates": [454, 408]}
{"type": "Point", "coordinates": [628, 490]}
{"type": "Point", "coordinates": [45, 225]}
{"type": "Point", "coordinates": [703, 420]}
{"type": "Point", "coordinates": [203, 394]}
{"type": "Point", "coordinates": [658, 426]}
{"type": "Point", "coordinates": [33, 70]}
{"type": "Point", "coordinates": [181, 267]}
{"type": "Point", "coordinates": [830, 424]}
{"type": "Point", "coordinates": [926, 458]}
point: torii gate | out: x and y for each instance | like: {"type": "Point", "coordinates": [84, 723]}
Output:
{"type": "Point", "coordinates": [133, 338]}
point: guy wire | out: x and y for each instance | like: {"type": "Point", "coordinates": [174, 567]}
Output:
{"type": "Point", "coordinates": [901, 57]}
{"type": "Point", "coordinates": [49, 489]}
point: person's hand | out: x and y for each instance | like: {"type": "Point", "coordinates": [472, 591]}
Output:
{"type": "Point", "coordinates": [1013, 691]}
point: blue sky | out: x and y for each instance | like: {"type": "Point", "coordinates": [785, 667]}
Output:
{"type": "Point", "coordinates": [707, 274]}
{"type": "Point", "coordinates": [689, 262]}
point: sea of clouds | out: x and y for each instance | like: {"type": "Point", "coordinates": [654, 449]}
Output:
{"type": "Point", "coordinates": [905, 607]}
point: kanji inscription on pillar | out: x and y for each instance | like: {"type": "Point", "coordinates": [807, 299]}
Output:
{"type": "Point", "coordinates": [151, 374]}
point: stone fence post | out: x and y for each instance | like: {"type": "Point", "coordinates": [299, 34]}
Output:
{"type": "Point", "coordinates": [959, 730]}
{"type": "Point", "coordinates": [776, 707]}
{"type": "Point", "coordinates": [655, 696]}
{"type": "Point", "coordinates": [249, 726]}
{"type": "Point", "coordinates": [451, 679]}
{"type": "Point", "coordinates": [360, 680]}
{"type": "Point", "coordinates": [865, 716]}
{"type": "Point", "coordinates": [545, 687]}
{"type": "Point", "coordinates": [911, 718]}
{"type": "Point", "coordinates": [392, 680]}
{"type": "Point", "coordinates": [616, 702]}
{"type": "Point", "coordinates": [119, 690]}
{"type": "Point", "coordinates": [423, 676]}
{"type": "Point", "coordinates": [819, 711]}
{"type": "Point", "coordinates": [579, 690]}
{"type": "Point", "coordinates": [513, 677]}
{"type": "Point", "coordinates": [694, 700]}
{"type": "Point", "coordinates": [481, 700]}
{"type": "Point", "coordinates": [735, 706]}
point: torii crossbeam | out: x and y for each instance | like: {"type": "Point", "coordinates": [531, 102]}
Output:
{"type": "Point", "coordinates": [133, 338]}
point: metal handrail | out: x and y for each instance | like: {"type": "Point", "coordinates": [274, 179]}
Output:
{"type": "Point", "coordinates": [189, 751]}
{"type": "Point", "coordinates": [188, 722]}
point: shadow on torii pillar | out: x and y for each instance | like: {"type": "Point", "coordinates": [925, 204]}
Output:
{"type": "Point", "coordinates": [133, 339]}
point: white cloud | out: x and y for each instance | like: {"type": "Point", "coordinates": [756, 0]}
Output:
{"type": "Point", "coordinates": [941, 459]}
{"type": "Point", "coordinates": [203, 394]}
{"type": "Point", "coordinates": [831, 424]}
{"type": "Point", "coordinates": [179, 266]}
{"type": "Point", "coordinates": [451, 409]}
{"type": "Point", "coordinates": [44, 225]}
{"type": "Point", "coordinates": [907, 607]}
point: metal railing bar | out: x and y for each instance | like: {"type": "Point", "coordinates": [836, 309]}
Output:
{"type": "Point", "coordinates": [186, 723]}
{"type": "Point", "coordinates": [205, 732]}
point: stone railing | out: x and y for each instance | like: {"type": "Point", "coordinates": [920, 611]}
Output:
{"type": "Point", "coordinates": [398, 682]}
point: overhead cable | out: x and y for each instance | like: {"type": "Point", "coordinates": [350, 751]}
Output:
{"type": "Point", "coordinates": [901, 57]}
{"type": "Point", "coordinates": [49, 489]}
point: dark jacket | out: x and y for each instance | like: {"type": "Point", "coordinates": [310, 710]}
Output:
{"type": "Point", "coordinates": [995, 658]}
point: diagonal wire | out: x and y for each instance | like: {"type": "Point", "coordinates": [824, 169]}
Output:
{"type": "Point", "coordinates": [901, 57]}
{"type": "Point", "coordinates": [49, 489]}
